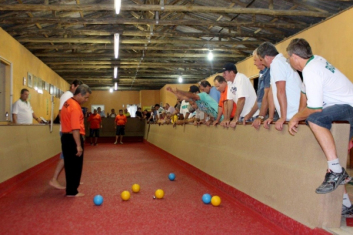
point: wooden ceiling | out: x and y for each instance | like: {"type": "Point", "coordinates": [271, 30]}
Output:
{"type": "Point", "coordinates": [76, 37]}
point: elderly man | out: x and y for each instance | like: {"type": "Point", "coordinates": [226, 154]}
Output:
{"type": "Point", "coordinates": [329, 98]}
{"type": "Point", "coordinates": [285, 84]}
{"type": "Point", "coordinates": [240, 91]}
{"type": "Point", "coordinates": [101, 112]}
{"type": "Point", "coordinates": [73, 130]}
{"type": "Point", "coordinates": [263, 88]}
{"type": "Point", "coordinates": [22, 112]}
{"type": "Point", "coordinates": [67, 95]}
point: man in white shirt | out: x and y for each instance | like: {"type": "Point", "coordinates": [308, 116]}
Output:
{"type": "Point", "coordinates": [22, 112]}
{"type": "Point", "coordinates": [240, 91]}
{"type": "Point", "coordinates": [101, 112]}
{"type": "Point", "coordinates": [285, 84]}
{"type": "Point", "coordinates": [67, 95]}
{"type": "Point", "coordinates": [170, 109]}
{"type": "Point", "coordinates": [329, 98]}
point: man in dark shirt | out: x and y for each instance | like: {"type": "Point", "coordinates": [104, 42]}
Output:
{"type": "Point", "coordinates": [139, 113]}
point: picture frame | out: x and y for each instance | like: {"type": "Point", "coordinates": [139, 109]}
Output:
{"type": "Point", "coordinates": [24, 81]}
{"type": "Point", "coordinates": [29, 80]}
{"type": "Point", "coordinates": [35, 82]}
{"type": "Point", "coordinates": [51, 89]}
{"type": "Point", "coordinates": [46, 86]}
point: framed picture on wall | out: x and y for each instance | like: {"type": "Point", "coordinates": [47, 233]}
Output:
{"type": "Point", "coordinates": [35, 82]}
{"type": "Point", "coordinates": [51, 89]}
{"type": "Point", "coordinates": [46, 86]}
{"type": "Point", "coordinates": [29, 80]}
{"type": "Point", "coordinates": [24, 81]}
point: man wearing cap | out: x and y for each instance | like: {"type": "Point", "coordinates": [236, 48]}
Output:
{"type": "Point", "coordinates": [73, 130]}
{"type": "Point", "coordinates": [240, 91]}
{"type": "Point", "coordinates": [285, 84]}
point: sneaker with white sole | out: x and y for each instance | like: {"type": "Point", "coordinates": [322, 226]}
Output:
{"type": "Point", "coordinates": [121, 142]}
{"type": "Point", "coordinates": [331, 181]}
{"type": "Point", "coordinates": [115, 142]}
{"type": "Point", "coordinates": [347, 212]}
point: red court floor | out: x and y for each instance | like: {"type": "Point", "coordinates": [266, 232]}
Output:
{"type": "Point", "coordinates": [36, 208]}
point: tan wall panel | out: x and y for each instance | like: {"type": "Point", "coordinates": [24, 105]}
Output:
{"type": "Point", "coordinates": [24, 61]}
{"type": "Point", "coordinates": [22, 147]}
{"type": "Point", "coordinates": [114, 100]}
{"type": "Point", "coordinates": [275, 168]}
{"type": "Point", "coordinates": [149, 97]}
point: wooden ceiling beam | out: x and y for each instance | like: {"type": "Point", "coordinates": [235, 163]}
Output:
{"type": "Point", "coordinates": [87, 32]}
{"type": "Point", "coordinates": [167, 8]}
{"type": "Point", "coordinates": [125, 47]}
{"type": "Point", "coordinates": [122, 21]}
{"type": "Point", "coordinates": [161, 65]}
{"type": "Point", "coordinates": [118, 63]}
{"type": "Point", "coordinates": [191, 55]}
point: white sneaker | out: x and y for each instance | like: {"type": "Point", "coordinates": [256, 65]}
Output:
{"type": "Point", "coordinates": [121, 142]}
{"type": "Point", "coordinates": [115, 142]}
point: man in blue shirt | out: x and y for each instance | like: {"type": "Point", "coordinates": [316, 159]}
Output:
{"type": "Point", "coordinates": [263, 88]}
{"type": "Point", "coordinates": [206, 87]}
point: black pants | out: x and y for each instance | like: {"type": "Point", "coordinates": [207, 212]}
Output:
{"type": "Point", "coordinates": [73, 163]}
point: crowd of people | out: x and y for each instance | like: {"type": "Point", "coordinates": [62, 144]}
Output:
{"type": "Point", "coordinates": [322, 96]}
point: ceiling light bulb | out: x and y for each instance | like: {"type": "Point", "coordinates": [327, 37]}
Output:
{"type": "Point", "coordinates": [111, 90]}
{"type": "Point", "coordinates": [210, 56]}
{"type": "Point", "coordinates": [115, 72]}
{"type": "Point", "coordinates": [116, 86]}
{"type": "Point", "coordinates": [117, 6]}
{"type": "Point", "coordinates": [180, 79]}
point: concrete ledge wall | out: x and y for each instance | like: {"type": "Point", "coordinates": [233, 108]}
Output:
{"type": "Point", "coordinates": [25, 146]}
{"type": "Point", "coordinates": [275, 168]}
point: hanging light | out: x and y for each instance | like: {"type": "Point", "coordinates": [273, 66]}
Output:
{"type": "Point", "coordinates": [157, 17]}
{"type": "Point", "coordinates": [117, 6]}
{"type": "Point", "coordinates": [116, 45]}
{"type": "Point", "coordinates": [116, 86]}
{"type": "Point", "coordinates": [111, 90]}
{"type": "Point", "coordinates": [115, 72]}
{"type": "Point", "coordinates": [180, 79]}
{"type": "Point", "coordinates": [210, 56]}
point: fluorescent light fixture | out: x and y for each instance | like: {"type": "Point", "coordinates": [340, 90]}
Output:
{"type": "Point", "coordinates": [115, 72]}
{"type": "Point", "coordinates": [210, 56]}
{"type": "Point", "coordinates": [111, 90]}
{"type": "Point", "coordinates": [116, 86]}
{"type": "Point", "coordinates": [116, 45]}
{"type": "Point", "coordinates": [157, 17]}
{"type": "Point", "coordinates": [117, 6]}
{"type": "Point", "coordinates": [180, 79]}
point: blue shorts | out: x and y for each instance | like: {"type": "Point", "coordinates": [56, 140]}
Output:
{"type": "Point", "coordinates": [61, 154]}
{"type": "Point", "coordinates": [94, 132]}
{"type": "Point", "coordinates": [337, 112]}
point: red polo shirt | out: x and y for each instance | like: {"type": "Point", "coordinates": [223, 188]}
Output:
{"type": "Point", "coordinates": [72, 117]}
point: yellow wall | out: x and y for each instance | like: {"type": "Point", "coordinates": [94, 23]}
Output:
{"type": "Point", "coordinates": [24, 146]}
{"type": "Point", "coordinates": [24, 61]}
{"type": "Point", "coordinates": [167, 97]}
{"type": "Point", "coordinates": [330, 39]}
{"type": "Point", "coordinates": [149, 97]}
{"type": "Point", "coordinates": [114, 100]}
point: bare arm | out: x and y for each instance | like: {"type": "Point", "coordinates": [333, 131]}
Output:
{"type": "Point", "coordinates": [240, 106]}
{"type": "Point", "coordinates": [282, 100]}
{"type": "Point", "coordinates": [271, 109]}
{"type": "Point", "coordinates": [76, 135]}
{"type": "Point", "coordinates": [301, 115]}
{"type": "Point", "coordinates": [14, 118]}
{"type": "Point", "coordinates": [303, 100]}
{"type": "Point", "coordinates": [36, 118]}
{"type": "Point", "coordinates": [264, 108]}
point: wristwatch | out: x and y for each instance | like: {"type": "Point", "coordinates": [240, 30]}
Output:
{"type": "Point", "coordinates": [261, 117]}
